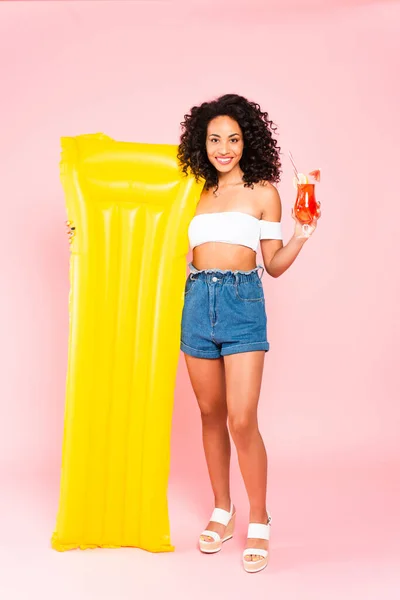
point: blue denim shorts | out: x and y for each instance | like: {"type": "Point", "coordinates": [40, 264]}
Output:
{"type": "Point", "coordinates": [223, 313]}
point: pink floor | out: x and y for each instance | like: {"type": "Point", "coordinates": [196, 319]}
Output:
{"type": "Point", "coordinates": [335, 534]}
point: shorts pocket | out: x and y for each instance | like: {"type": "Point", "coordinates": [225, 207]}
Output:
{"type": "Point", "coordinates": [189, 285]}
{"type": "Point", "coordinates": [249, 291]}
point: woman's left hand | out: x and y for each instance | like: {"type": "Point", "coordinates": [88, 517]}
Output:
{"type": "Point", "coordinates": [308, 229]}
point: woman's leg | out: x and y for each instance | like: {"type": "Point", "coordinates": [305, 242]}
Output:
{"type": "Point", "coordinates": [207, 377]}
{"type": "Point", "coordinates": [243, 384]}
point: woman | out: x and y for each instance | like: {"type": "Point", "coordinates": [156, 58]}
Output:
{"type": "Point", "coordinates": [228, 142]}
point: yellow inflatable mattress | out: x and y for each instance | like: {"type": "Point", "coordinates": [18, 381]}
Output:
{"type": "Point", "coordinates": [128, 207]}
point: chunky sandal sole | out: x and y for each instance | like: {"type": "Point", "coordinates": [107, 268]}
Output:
{"type": "Point", "coordinates": [216, 545]}
{"type": "Point", "coordinates": [261, 531]}
{"type": "Point", "coordinates": [249, 568]}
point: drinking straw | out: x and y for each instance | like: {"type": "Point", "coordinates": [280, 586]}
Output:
{"type": "Point", "coordinates": [294, 166]}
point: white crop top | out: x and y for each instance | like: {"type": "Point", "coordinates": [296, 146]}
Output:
{"type": "Point", "coordinates": [232, 227]}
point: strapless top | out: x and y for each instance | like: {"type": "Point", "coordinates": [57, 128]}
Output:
{"type": "Point", "coordinates": [232, 227]}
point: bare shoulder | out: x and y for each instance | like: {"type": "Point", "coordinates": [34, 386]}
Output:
{"type": "Point", "coordinates": [270, 201]}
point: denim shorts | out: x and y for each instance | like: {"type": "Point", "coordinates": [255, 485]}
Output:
{"type": "Point", "coordinates": [223, 313]}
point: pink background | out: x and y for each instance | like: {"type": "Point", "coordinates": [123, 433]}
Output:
{"type": "Point", "coordinates": [327, 72]}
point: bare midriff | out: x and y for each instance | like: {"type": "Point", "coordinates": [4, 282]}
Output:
{"type": "Point", "coordinates": [221, 255]}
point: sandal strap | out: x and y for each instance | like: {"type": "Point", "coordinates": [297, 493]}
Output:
{"type": "Point", "coordinates": [256, 552]}
{"type": "Point", "coordinates": [219, 515]}
{"type": "Point", "coordinates": [215, 536]}
{"type": "Point", "coordinates": [258, 530]}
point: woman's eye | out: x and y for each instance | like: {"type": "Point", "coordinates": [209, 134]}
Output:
{"type": "Point", "coordinates": [216, 140]}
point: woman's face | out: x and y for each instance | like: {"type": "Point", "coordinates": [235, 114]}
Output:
{"type": "Point", "coordinates": [224, 141]}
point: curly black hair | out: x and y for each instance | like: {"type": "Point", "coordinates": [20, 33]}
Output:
{"type": "Point", "coordinates": [260, 160]}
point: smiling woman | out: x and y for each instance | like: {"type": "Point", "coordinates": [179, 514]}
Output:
{"type": "Point", "coordinates": [229, 143]}
{"type": "Point", "coordinates": [230, 128]}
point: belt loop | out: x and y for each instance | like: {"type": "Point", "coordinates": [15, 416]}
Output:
{"type": "Point", "coordinates": [236, 275]}
{"type": "Point", "coordinates": [192, 270]}
{"type": "Point", "coordinates": [262, 272]}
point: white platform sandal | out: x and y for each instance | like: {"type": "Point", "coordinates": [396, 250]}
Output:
{"type": "Point", "coordinates": [223, 517]}
{"type": "Point", "coordinates": [261, 531]}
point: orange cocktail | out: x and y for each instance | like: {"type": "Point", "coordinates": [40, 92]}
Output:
{"type": "Point", "coordinates": [305, 208]}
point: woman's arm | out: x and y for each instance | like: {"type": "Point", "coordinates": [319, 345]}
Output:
{"type": "Point", "coordinates": [277, 257]}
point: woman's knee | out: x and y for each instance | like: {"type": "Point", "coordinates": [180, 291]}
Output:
{"type": "Point", "coordinates": [213, 410]}
{"type": "Point", "coordinates": [242, 426]}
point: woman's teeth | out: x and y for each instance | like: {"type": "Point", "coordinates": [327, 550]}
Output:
{"type": "Point", "coordinates": [224, 161]}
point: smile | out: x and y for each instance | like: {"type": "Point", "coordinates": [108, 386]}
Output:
{"type": "Point", "coordinates": [224, 161]}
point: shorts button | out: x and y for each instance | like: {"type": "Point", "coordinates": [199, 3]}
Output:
{"type": "Point", "coordinates": [215, 278]}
